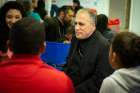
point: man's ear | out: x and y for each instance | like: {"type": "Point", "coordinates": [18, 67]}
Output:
{"type": "Point", "coordinates": [42, 47]}
{"type": "Point", "coordinates": [9, 45]}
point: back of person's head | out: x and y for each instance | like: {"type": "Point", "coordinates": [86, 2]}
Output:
{"type": "Point", "coordinates": [10, 5]}
{"type": "Point", "coordinates": [127, 46]}
{"type": "Point", "coordinates": [77, 2]}
{"type": "Point", "coordinates": [27, 36]}
{"type": "Point", "coordinates": [102, 22]}
{"type": "Point", "coordinates": [26, 5]}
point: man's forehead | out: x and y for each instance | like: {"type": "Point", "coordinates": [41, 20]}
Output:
{"type": "Point", "coordinates": [83, 13]}
{"type": "Point", "coordinates": [83, 16]}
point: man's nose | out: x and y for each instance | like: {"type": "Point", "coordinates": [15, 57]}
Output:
{"type": "Point", "coordinates": [77, 27]}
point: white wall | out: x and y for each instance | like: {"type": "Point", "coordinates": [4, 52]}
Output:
{"type": "Point", "coordinates": [48, 6]}
{"type": "Point", "coordinates": [2, 2]}
{"type": "Point", "coordinates": [102, 6]}
{"type": "Point", "coordinates": [117, 10]}
{"type": "Point", "coordinates": [135, 17]}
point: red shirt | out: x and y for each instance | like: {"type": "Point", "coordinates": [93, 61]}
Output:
{"type": "Point", "coordinates": [28, 74]}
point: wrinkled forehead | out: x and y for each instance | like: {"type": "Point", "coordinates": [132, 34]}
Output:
{"type": "Point", "coordinates": [83, 16]}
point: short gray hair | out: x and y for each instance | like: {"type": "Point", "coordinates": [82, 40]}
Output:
{"type": "Point", "coordinates": [92, 15]}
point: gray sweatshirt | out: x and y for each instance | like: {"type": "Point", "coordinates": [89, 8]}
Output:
{"type": "Point", "coordinates": [122, 81]}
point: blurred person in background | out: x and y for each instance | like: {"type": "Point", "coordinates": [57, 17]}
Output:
{"type": "Point", "coordinates": [102, 26]}
{"type": "Point", "coordinates": [29, 6]}
{"type": "Point", "coordinates": [54, 9]}
{"type": "Point", "coordinates": [10, 12]}
{"type": "Point", "coordinates": [55, 26]}
{"type": "Point", "coordinates": [40, 9]}
{"type": "Point", "coordinates": [69, 24]}
{"type": "Point", "coordinates": [76, 6]}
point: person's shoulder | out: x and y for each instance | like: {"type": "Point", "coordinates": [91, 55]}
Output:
{"type": "Point", "coordinates": [108, 85]}
{"type": "Point", "coordinates": [49, 71]}
{"type": "Point", "coordinates": [108, 80]}
{"type": "Point", "coordinates": [35, 15]}
{"type": "Point", "coordinates": [52, 22]}
{"type": "Point", "coordinates": [109, 32]}
{"type": "Point", "coordinates": [101, 39]}
{"type": "Point", "coordinates": [57, 79]}
{"type": "Point", "coordinates": [46, 69]}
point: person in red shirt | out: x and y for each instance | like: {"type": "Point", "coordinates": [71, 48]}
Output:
{"type": "Point", "coordinates": [25, 72]}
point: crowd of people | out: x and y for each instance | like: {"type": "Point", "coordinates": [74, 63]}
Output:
{"type": "Point", "coordinates": [99, 60]}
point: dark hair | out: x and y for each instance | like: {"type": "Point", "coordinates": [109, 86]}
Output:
{"type": "Point", "coordinates": [26, 36]}
{"type": "Point", "coordinates": [102, 23]}
{"type": "Point", "coordinates": [40, 9]}
{"type": "Point", "coordinates": [4, 29]}
{"type": "Point", "coordinates": [10, 5]}
{"type": "Point", "coordinates": [26, 5]}
{"type": "Point", "coordinates": [61, 9]}
{"type": "Point", "coordinates": [127, 46]}
{"type": "Point", "coordinates": [77, 2]}
{"type": "Point", "coordinates": [78, 7]}
{"type": "Point", "coordinates": [41, 4]}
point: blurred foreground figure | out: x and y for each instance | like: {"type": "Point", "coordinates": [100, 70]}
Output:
{"type": "Point", "coordinates": [125, 58]}
{"type": "Point", "coordinates": [25, 72]}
